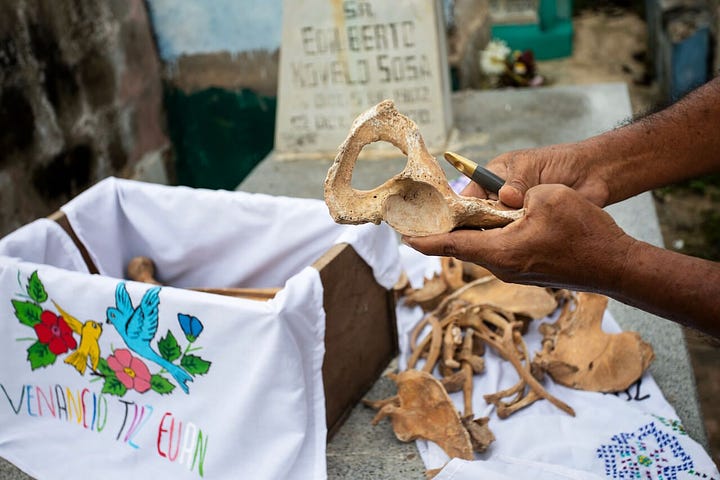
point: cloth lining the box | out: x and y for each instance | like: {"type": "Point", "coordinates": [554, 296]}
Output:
{"type": "Point", "coordinates": [218, 239]}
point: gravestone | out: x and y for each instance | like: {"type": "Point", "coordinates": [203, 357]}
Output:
{"type": "Point", "coordinates": [337, 59]}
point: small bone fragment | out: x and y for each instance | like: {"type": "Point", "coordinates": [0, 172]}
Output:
{"type": "Point", "coordinates": [505, 409]}
{"type": "Point", "coordinates": [467, 367]}
{"type": "Point", "coordinates": [432, 473]}
{"type": "Point", "coordinates": [417, 201]}
{"type": "Point", "coordinates": [142, 269]}
{"type": "Point", "coordinates": [455, 382]}
{"type": "Point", "coordinates": [467, 389]}
{"type": "Point", "coordinates": [451, 339]}
{"type": "Point", "coordinates": [444, 370]}
{"type": "Point", "coordinates": [467, 353]}
{"type": "Point", "coordinates": [525, 300]}
{"type": "Point", "coordinates": [450, 278]}
{"type": "Point", "coordinates": [477, 363]}
{"type": "Point", "coordinates": [429, 295]}
{"type": "Point", "coordinates": [433, 340]}
{"type": "Point", "coordinates": [496, 398]}
{"type": "Point", "coordinates": [452, 272]}
{"type": "Point", "coordinates": [426, 411]}
{"type": "Point", "coordinates": [480, 435]}
{"type": "Point", "coordinates": [578, 354]}
{"type": "Point", "coordinates": [435, 346]}
{"type": "Point", "coordinates": [378, 404]}
{"type": "Point", "coordinates": [478, 346]}
{"type": "Point", "coordinates": [473, 271]}
{"type": "Point", "coordinates": [444, 310]}
{"type": "Point", "coordinates": [402, 286]}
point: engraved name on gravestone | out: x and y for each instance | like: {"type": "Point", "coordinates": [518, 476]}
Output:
{"type": "Point", "coordinates": [338, 59]}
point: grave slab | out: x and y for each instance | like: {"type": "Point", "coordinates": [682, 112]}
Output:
{"type": "Point", "coordinates": [337, 59]}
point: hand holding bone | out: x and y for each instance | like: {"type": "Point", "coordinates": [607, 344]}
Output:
{"type": "Point", "coordinates": [563, 240]}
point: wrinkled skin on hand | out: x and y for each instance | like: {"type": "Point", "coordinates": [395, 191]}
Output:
{"type": "Point", "coordinates": [564, 241]}
{"type": "Point", "coordinates": [563, 164]}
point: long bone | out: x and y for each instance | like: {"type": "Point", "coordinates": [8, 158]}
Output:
{"type": "Point", "coordinates": [418, 201]}
{"type": "Point", "coordinates": [509, 344]}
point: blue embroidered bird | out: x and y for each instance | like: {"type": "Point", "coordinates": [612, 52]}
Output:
{"type": "Point", "coordinates": [138, 326]}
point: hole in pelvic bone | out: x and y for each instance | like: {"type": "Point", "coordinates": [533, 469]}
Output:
{"type": "Point", "coordinates": [417, 209]}
{"type": "Point", "coordinates": [373, 167]}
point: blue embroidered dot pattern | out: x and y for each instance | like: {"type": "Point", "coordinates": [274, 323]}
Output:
{"type": "Point", "coordinates": [648, 453]}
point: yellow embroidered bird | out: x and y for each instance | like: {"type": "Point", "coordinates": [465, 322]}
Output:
{"type": "Point", "coordinates": [89, 332]}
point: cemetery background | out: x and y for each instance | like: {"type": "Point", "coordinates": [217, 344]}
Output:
{"type": "Point", "coordinates": [95, 109]}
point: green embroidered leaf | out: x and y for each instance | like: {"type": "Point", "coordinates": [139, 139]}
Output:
{"type": "Point", "coordinates": [35, 288]}
{"type": "Point", "coordinates": [104, 368]}
{"type": "Point", "coordinates": [27, 312]}
{"type": "Point", "coordinates": [169, 348]}
{"type": "Point", "coordinates": [161, 384]}
{"type": "Point", "coordinates": [195, 365]}
{"type": "Point", "coordinates": [113, 386]}
{"type": "Point", "coordinates": [39, 355]}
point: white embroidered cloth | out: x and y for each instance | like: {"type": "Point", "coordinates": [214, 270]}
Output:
{"type": "Point", "coordinates": [630, 435]}
{"type": "Point", "coordinates": [179, 384]}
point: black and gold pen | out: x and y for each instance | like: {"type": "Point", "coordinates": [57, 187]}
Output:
{"type": "Point", "coordinates": [480, 175]}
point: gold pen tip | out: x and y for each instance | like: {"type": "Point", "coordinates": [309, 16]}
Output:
{"type": "Point", "coordinates": [461, 163]}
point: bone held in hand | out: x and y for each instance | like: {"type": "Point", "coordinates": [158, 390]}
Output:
{"type": "Point", "coordinates": [418, 201]}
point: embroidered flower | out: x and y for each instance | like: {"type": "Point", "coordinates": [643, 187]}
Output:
{"type": "Point", "coordinates": [131, 371]}
{"type": "Point", "coordinates": [54, 332]}
{"type": "Point", "coordinates": [191, 326]}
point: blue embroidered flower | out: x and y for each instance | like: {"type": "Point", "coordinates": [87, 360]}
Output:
{"type": "Point", "coordinates": [191, 326]}
{"type": "Point", "coordinates": [647, 453]}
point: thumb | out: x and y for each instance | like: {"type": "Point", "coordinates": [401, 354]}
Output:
{"type": "Point", "coordinates": [512, 193]}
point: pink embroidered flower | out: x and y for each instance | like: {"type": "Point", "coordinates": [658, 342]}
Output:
{"type": "Point", "coordinates": [54, 332]}
{"type": "Point", "coordinates": [131, 371]}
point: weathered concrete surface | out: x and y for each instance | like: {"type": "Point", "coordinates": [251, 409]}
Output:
{"type": "Point", "coordinates": [80, 99]}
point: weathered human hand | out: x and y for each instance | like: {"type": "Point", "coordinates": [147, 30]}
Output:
{"type": "Point", "coordinates": [571, 164]}
{"type": "Point", "coordinates": [563, 240]}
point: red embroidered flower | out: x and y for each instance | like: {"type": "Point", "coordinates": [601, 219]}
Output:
{"type": "Point", "coordinates": [131, 371]}
{"type": "Point", "coordinates": [54, 332]}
